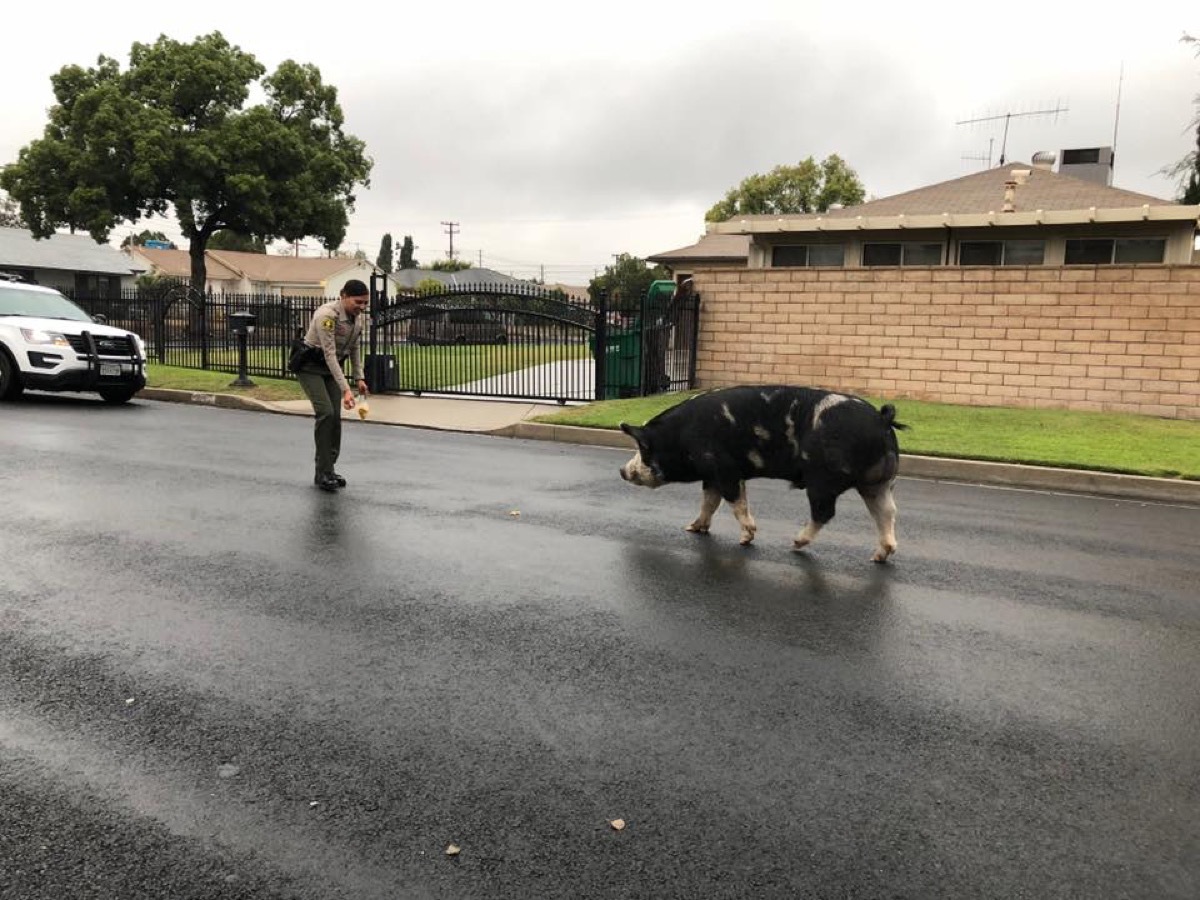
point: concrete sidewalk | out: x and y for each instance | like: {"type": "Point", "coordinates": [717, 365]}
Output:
{"type": "Point", "coordinates": [512, 418]}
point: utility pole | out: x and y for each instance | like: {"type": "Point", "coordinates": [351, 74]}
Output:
{"type": "Point", "coordinates": [451, 227]}
{"type": "Point", "coordinates": [1008, 117]}
{"type": "Point", "coordinates": [481, 259]}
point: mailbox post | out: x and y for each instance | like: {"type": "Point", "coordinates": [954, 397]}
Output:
{"type": "Point", "coordinates": [242, 325]}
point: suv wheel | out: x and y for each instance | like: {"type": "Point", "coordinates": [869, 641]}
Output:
{"type": "Point", "coordinates": [117, 395]}
{"type": "Point", "coordinates": [10, 378]}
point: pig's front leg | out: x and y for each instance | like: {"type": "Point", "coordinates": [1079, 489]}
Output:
{"type": "Point", "coordinates": [741, 512]}
{"type": "Point", "coordinates": [708, 506]}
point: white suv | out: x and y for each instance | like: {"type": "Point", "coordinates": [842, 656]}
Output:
{"type": "Point", "coordinates": [47, 343]}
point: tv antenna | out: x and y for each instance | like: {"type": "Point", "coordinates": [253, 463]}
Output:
{"type": "Point", "coordinates": [984, 159]}
{"type": "Point", "coordinates": [1008, 117]}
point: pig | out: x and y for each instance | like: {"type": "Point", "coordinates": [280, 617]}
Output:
{"type": "Point", "coordinates": [823, 441]}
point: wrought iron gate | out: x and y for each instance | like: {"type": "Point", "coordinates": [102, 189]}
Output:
{"type": "Point", "coordinates": [526, 342]}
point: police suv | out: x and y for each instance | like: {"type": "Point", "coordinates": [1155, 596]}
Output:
{"type": "Point", "coordinates": [47, 343]}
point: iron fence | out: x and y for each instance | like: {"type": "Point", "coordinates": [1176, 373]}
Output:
{"type": "Point", "coordinates": [482, 340]}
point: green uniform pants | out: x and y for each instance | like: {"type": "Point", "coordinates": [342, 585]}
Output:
{"type": "Point", "coordinates": [323, 393]}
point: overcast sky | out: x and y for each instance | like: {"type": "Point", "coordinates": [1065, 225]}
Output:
{"type": "Point", "coordinates": [557, 135]}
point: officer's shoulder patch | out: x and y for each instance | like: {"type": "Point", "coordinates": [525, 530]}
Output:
{"type": "Point", "coordinates": [329, 324]}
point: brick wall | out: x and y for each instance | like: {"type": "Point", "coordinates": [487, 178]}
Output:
{"type": "Point", "coordinates": [1113, 338]}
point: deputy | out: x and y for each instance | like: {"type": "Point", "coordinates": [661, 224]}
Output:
{"type": "Point", "coordinates": [332, 336]}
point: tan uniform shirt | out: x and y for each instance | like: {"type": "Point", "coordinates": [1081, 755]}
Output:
{"type": "Point", "coordinates": [337, 335]}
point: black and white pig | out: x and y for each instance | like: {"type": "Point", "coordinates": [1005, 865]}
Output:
{"type": "Point", "coordinates": [821, 441]}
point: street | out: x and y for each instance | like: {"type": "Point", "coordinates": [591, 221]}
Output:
{"type": "Point", "coordinates": [219, 682]}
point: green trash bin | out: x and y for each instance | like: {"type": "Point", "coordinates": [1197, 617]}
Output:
{"type": "Point", "coordinates": [622, 363]}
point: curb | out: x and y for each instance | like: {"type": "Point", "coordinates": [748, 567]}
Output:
{"type": "Point", "coordinates": [222, 401]}
{"type": "Point", "coordinates": [1043, 478]}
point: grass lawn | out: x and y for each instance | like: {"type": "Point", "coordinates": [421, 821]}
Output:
{"type": "Point", "coordinates": [1107, 442]}
{"type": "Point", "coordinates": [208, 382]}
{"type": "Point", "coordinates": [431, 367]}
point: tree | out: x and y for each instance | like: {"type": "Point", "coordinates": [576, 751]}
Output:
{"type": "Point", "coordinates": [627, 281]}
{"type": "Point", "coordinates": [139, 239]}
{"type": "Point", "coordinates": [226, 239]}
{"type": "Point", "coordinates": [1187, 170]}
{"type": "Point", "coordinates": [384, 260]}
{"type": "Point", "coordinates": [406, 254]}
{"type": "Point", "coordinates": [171, 134]}
{"type": "Point", "coordinates": [10, 214]}
{"type": "Point", "coordinates": [805, 187]}
{"type": "Point", "coordinates": [449, 265]}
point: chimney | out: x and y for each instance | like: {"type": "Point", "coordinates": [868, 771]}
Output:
{"type": "Point", "coordinates": [1016, 178]}
{"type": "Point", "coordinates": [1010, 193]}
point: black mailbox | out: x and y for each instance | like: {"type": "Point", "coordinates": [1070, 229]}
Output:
{"type": "Point", "coordinates": [242, 322]}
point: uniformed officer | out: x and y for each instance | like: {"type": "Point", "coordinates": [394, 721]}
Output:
{"type": "Point", "coordinates": [332, 336]}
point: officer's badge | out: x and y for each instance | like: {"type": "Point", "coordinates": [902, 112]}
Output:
{"type": "Point", "coordinates": [328, 324]}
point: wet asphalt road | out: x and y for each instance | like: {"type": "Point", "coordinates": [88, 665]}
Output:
{"type": "Point", "coordinates": [219, 682]}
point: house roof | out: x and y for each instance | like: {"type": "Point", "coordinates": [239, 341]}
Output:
{"type": "Point", "coordinates": [65, 252]}
{"type": "Point", "coordinates": [233, 265]}
{"type": "Point", "coordinates": [710, 248]}
{"type": "Point", "coordinates": [178, 264]}
{"type": "Point", "coordinates": [1043, 197]}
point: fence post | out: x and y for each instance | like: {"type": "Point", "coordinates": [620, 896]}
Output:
{"type": "Point", "coordinates": [695, 336]}
{"type": "Point", "coordinates": [378, 299]}
{"type": "Point", "coordinates": [601, 354]}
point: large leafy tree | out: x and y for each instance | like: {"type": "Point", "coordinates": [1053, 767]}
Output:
{"type": "Point", "coordinates": [1188, 168]}
{"type": "Point", "coordinates": [139, 239]}
{"type": "Point", "coordinates": [173, 133]}
{"type": "Point", "coordinates": [626, 281]}
{"type": "Point", "coordinates": [10, 213]}
{"type": "Point", "coordinates": [449, 265]}
{"type": "Point", "coordinates": [384, 259]}
{"type": "Point", "coordinates": [806, 187]}
{"type": "Point", "coordinates": [407, 260]}
{"type": "Point", "coordinates": [225, 239]}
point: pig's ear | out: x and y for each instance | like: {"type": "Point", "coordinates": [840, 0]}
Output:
{"type": "Point", "coordinates": [633, 431]}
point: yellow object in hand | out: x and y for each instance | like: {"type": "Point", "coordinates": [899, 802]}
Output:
{"type": "Point", "coordinates": [364, 408]}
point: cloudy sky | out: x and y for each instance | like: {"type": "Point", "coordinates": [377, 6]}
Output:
{"type": "Point", "coordinates": [557, 135]}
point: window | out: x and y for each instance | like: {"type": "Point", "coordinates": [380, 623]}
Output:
{"type": "Point", "coordinates": [1024, 253]}
{"type": "Point", "coordinates": [881, 255]}
{"type": "Point", "coordinates": [1089, 156]}
{"type": "Point", "coordinates": [1001, 253]}
{"type": "Point", "coordinates": [980, 253]}
{"type": "Point", "coordinates": [97, 285]}
{"type": "Point", "coordinates": [1102, 251]}
{"type": "Point", "coordinates": [902, 254]}
{"type": "Point", "coordinates": [1139, 250]}
{"type": "Point", "coordinates": [793, 255]}
{"type": "Point", "coordinates": [826, 255]}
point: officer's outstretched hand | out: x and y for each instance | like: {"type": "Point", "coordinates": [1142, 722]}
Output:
{"type": "Point", "coordinates": [348, 399]}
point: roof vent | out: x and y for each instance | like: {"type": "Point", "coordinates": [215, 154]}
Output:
{"type": "Point", "coordinates": [1045, 160]}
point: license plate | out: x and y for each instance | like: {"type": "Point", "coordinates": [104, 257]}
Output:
{"type": "Point", "coordinates": [109, 369]}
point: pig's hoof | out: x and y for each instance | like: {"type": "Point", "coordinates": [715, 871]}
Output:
{"type": "Point", "coordinates": [747, 538]}
{"type": "Point", "coordinates": [799, 544]}
{"type": "Point", "coordinates": [882, 554]}
{"type": "Point", "coordinates": [697, 528]}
